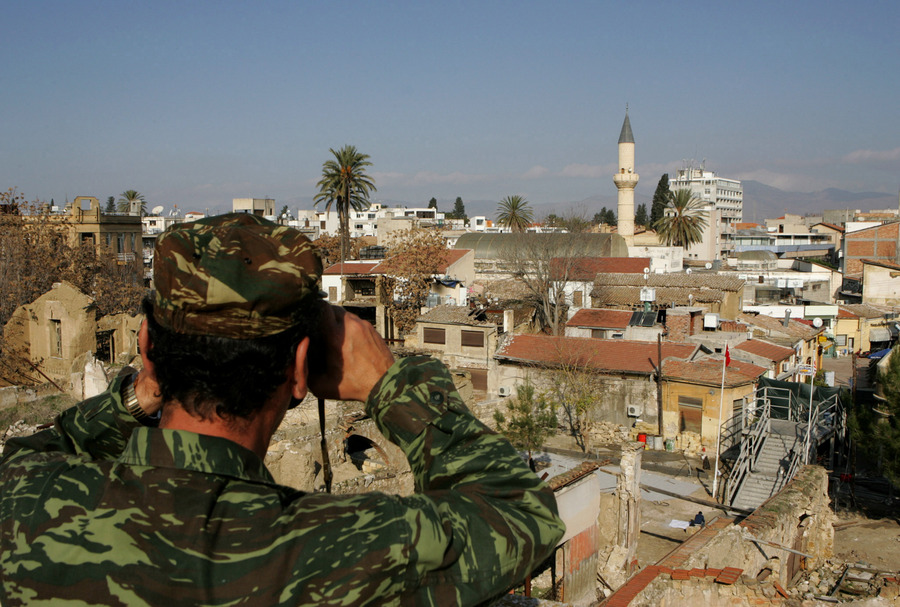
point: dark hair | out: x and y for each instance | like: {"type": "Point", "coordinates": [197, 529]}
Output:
{"type": "Point", "coordinates": [231, 377]}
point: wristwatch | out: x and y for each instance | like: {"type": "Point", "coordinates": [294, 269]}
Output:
{"type": "Point", "coordinates": [129, 398]}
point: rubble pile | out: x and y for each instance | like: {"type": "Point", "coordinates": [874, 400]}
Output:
{"type": "Point", "coordinates": [838, 580]}
{"type": "Point", "coordinates": [20, 428]}
{"type": "Point", "coordinates": [608, 433]}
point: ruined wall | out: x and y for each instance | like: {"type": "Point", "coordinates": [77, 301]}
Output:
{"type": "Point", "coordinates": [719, 565]}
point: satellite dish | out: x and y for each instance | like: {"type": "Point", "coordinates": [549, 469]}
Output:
{"type": "Point", "coordinates": [157, 209]}
{"type": "Point", "coordinates": [646, 270]}
{"type": "Point", "coordinates": [817, 322]}
{"type": "Point", "coordinates": [708, 266]}
{"type": "Point", "coordinates": [688, 271]}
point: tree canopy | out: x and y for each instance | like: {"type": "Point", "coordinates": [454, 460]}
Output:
{"type": "Point", "coordinates": [684, 221]}
{"type": "Point", "coordinates": [660, 199]}
{"type": "Point", "coordinates": [128, 197]}
{"type": "Point", "coordinates": [529, 419]}
{"type": "Point", "coordinates": [345, 185]}
{"type": "Point", "coordinates": [514, 212]}
{"type": "Point", "coordinates": [432, 204]}
{"type": "Point", "coordinates": [640, 216]}
{"type": "Point", "coordinates": [459, 210]}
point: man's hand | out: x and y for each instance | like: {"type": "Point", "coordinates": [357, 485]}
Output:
{"type": "Point", "coordinates": [355, 356]}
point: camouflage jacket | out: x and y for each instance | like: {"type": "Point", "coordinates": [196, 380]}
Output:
{"type": "Point", "coordinates": [101, 510]}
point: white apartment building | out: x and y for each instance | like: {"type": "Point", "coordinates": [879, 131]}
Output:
{"type": "Point", "coordinates": [724, 196]}
{"type": "Point", "coordinates": [365, 223]}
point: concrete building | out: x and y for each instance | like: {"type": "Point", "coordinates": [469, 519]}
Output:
{"type": "Point", "coordinates": [265, 207]}
{"type": "Point", "coordinates": [724, 199]}
{"type": "Point", "coordinates": [88, 224]}
{"type": "Point", "coordinates": [716, 294]}
{"type": "Point", "coordinates": [626, 179]}
{"type": "Point", "coordinates": [462, 338]}
{"type": "Point", "coordinates": [880, 283]}
{"type": "Point", "coordinates": [880, 243]}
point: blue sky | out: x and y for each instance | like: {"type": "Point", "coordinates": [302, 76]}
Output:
{"type": "Point", "coordinates": [195, 103]}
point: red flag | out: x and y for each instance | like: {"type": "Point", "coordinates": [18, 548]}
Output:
{"type": "Point", "coordinates": [727, 357]}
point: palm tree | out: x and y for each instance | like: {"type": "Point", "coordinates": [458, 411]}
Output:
{"type": "Point", "coordinates": [683, 221]}
{"type": "Point", "coordinates": [345, 184]}
{"type": "Point", "coordinates": [515, 213]}
{"type": "Point", "coordinates": [129, 196]}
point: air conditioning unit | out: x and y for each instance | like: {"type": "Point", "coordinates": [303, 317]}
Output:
{"type": "Point", "coordinates": [635, 410]}
{"type": "Point", "coordinates": [504, 391]}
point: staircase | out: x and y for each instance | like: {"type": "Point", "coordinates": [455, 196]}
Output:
{"type": "Point", "coordinates": [770, 472]}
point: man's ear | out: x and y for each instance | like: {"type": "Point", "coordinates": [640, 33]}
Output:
{"type": "Point", "coordinates": [144, 346]}
{"type": "Point", "coordinates": [301, 370]}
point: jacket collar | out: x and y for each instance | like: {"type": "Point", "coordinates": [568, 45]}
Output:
{"type": "Point", "coordinates": [183, 450]}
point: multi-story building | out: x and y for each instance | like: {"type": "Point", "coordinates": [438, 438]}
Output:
{"type": "Point", "coordinates": [724, 199]}
{"type": "Point", "coordinates": [264, 207]}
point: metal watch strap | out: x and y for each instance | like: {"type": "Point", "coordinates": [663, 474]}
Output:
{"type": "Point", "coordinates": [129, 398]}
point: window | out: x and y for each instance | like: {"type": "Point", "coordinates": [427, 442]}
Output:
{"type": "Point", "coordinates": [578, 299]}
{"type": "Point", "coordinates": [432, 335]}
{"type": "Point", "coordinates": [479, 379]}
{"type": "Point", "coordinates": [55, 338]}
{"type": "Point", "coordinates": [474, 339]}
{"type": "Point", "coordinates": [690, 411]}
{"type": "Point", "coordinates": [332, 293]}
{"type": "Point", "coordinates": [598, 333]}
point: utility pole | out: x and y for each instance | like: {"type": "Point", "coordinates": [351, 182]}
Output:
{"type": "Point", "coordinates": [659, 400]}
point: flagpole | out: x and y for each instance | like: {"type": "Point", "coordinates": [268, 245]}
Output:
{"type": "Point", "coordinates": [719, 426]}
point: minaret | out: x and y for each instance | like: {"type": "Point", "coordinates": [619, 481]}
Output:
{"type": "Point", "coordinates": [626, 179]}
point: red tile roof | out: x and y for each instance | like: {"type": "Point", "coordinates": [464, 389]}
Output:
{"type": "Point", "coordinates": [610, 355]}
{"type": "Point", "coordinates": [765, 350]}
{"type": "Point", "coordinates": [352, 267]}
{"type": "Point", "coordinates": [451, 256]}
{"type": "Point", "coordinates": [586, 268]}
{"type": "Point", "coordinates": [709, 371]}
{"type": "Point", "coordinates": [600, 319]}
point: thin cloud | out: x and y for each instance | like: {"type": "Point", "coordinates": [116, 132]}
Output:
{"type": "Point", "coordinates": [535, 172]}
{"type": "Point", "coordinates": [860, 156]}
{"type": "Point", "coordinates": [593, 171]}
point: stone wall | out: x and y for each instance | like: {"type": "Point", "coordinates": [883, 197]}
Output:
{"type": "Point", "coordinates": [720, 565]}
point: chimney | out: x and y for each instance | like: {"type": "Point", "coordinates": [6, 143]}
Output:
{"type": "Point", "coordinates": [787, 317]}
{"type": "Point", "coordinates": [509, 320]}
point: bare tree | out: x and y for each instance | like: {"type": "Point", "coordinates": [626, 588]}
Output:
{"type": "Point", "coordinates": [545, 264]}
{"type": "Point", "coordinates": [417, 255]}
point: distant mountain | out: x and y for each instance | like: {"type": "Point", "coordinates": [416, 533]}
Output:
{"type": "Point", "coordinates": [765, 202]}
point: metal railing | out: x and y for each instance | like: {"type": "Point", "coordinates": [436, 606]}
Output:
{"type": "Point", "coordinates": [752, 442]}
{"type": "Point", "coordinates": [821, 419]}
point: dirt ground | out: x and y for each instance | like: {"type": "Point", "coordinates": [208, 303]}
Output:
{"type": "Point", "coordinates": [874, 542]}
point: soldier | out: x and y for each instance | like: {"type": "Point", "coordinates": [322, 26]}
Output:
{"type": "Point", "coordinates": [155, 491]}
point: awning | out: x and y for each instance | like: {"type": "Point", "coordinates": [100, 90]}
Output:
{"type": "Point", "coordinates": [879, 334]}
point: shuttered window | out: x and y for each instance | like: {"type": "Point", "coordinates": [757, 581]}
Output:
{"type": "Point", "coordinates": [472, 338]}
{"type": "Point", "coordinates": [434, 336]}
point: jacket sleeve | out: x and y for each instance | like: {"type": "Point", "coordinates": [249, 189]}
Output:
{"type": "Point", "coordinates": [97, 427]}
{"type": "Point", "coordinates": [481, 520]}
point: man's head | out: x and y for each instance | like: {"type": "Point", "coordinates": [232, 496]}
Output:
{"type": "Point", "coordinates": [233, 296]}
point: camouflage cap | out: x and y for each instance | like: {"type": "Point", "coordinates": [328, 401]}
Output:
{"type": "Point", "coordinates": [235, 275]}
